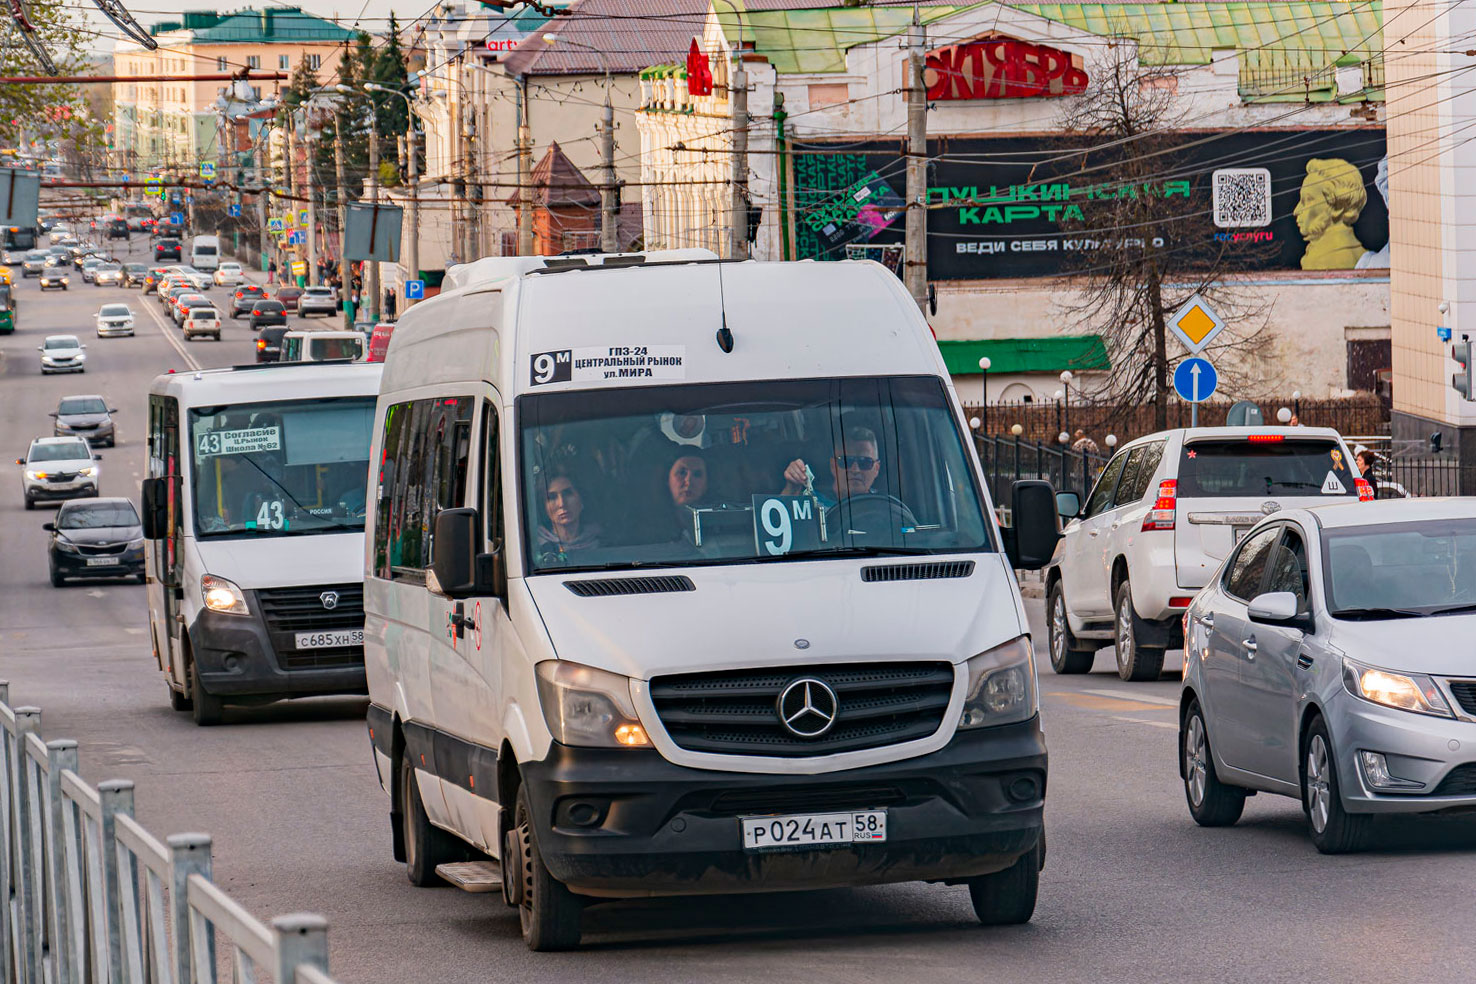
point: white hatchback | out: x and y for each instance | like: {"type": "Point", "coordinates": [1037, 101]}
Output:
{"type": "Point", "coordinates": [1163, 515]}
{"type": "Point", "coordinates": [229, 274]}
{"type": "Point", "coordinates": [62, 353]}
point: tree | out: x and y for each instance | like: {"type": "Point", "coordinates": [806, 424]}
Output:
{"type": "Point", "coordinates": [34, 111]}
{"type": "Point", "coordinates": [1154, 244]}
{"type": "Point", "coordinates": [390, 71]}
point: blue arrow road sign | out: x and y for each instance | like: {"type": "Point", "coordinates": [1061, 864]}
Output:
{"type": "Point", "coordinates": [414, 290]}
{"type": "Point", "coordinates": [1195, 380]}
{"type": "Point", "coordinates": [176, 218]}
{"type": "Point", "coordinates": [234, 211]}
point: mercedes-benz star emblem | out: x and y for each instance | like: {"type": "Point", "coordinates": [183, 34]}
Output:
{"type": "Point", "coordinates": [807, 707]}
{"type": "Point", "coordinates": [329, 599]}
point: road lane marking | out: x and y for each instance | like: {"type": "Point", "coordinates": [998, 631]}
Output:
{"type": "Point", "coordinates": [168, 334]}
{"type": "Point", "coordinates": [1129, 695]}
{"type": "Point", "coordinates": [1151, 724]}
{"type": "Point", "coordinates": [1091, 703]}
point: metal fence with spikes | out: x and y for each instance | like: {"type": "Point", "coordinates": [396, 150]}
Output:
{"type": "Point", "coordinates": [91, 897]}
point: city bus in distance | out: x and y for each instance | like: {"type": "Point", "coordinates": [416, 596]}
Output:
{"type": "Point", "coordinates": [18, 239]}
{"type": "Point", "coordinates": [254, 508]}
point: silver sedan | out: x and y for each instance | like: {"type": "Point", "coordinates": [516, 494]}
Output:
{"type": "Point", "coordinates": [1330, 660]}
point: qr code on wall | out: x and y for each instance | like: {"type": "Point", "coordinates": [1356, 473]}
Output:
{"type": "Point", "coordinates": [1242, 197]}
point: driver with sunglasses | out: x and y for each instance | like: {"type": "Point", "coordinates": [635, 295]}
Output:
{"type": "Point", "coordinates": [854, 466]}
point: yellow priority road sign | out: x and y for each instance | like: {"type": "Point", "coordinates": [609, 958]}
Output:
{"type": "Point", "coordinates": [1196, 323]}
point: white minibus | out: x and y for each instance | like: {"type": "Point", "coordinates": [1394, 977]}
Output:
{"type": "Point", "coordinates": [682, 578]}
{"type": "Point", "coordinates": [205, 253]}
{"type": "Point", "coordinates": [254, 508]}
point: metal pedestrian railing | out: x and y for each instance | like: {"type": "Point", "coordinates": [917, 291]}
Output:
{"type": "Point", "coordinates": [91, 897]}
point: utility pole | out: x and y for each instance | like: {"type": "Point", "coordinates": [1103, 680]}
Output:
{"type": "Point", "coordinates": [371, 267]}
{"type": "Point", "coordinates": [609, 221]}
{"type": "Point", "coordinates": [738, 238]}
{"type": "Point", "coordinates": [311, 174]}
{"type": "Point", "coordinates": [915, 259]}
{"type": "Point", "coordinates": [413, 253]}
{"type": "Point", "coordinates": [525, 173]}
{"type": "Point", "coordinates": [345, 270]}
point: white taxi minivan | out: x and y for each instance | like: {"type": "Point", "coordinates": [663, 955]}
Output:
{"type": "Point", "coordinates": [682, 579]}
{"type": "Point", "coordinates": [254, 509]}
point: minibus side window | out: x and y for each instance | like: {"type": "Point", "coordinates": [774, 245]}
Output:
{"type": "Point", "coordinates": [428, 474]}
{"type": "Point", "coordinates": [390, 453]}
{"type": "Point", "coordinates": [491, 479]}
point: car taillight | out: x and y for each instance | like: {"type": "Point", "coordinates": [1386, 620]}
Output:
{"type": "Point", "coordinates": [1266, 438]}
{"type": "Point", "coordinates": [1365, 490]}
{"type": "Point", "coordinates": [254, 311]}
{"type": "Point", "coordinates": [260, 344]}
{"type": "Point", "coordinates": [1161, 516]}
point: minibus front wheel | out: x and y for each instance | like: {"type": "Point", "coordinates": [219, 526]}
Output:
{"type": "Point", "coordinates": [550, 914]}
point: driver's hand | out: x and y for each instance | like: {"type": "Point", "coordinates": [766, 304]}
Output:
{"type": "Point", "coordinates": [794, 477]}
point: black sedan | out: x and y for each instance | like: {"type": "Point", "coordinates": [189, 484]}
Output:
{"type": "Point", "coordinates": [269, 344]}
{"type": "Point", "coordinates": [264, 313]}
{"type": "Point", "coordinates": [94, 538]}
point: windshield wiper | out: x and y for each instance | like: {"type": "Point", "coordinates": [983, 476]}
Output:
{"type": "Point", "coordinates": [1453, 610]}
{"type": "Point", "coordinates": [1376, 613]}
{"type": "Point", "coordinates": [855, 551]}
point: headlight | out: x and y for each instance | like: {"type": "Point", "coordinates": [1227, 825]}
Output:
{"type": "Point", "coordinates": [63, 427]}
{"type": "Point", "coordinates": [136, 544]}
{"type": "Point", "coordinates": [66, 546]}
{"type": "Point", "coordinates": [222, 596]}
{"type": "Point", "coordinates": [586, 706]}
{"type": "Point", "coordinates": [1001, 686]}
{"type": "Point", "coordinates": [1403, 691]}
{"type": "Point", "coordinates": [34, 475]}
{"type": "Point", "coordinates": [87, 472]}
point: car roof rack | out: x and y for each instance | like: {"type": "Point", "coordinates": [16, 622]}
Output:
{"type": "Point", "coordinates": [566, 264]}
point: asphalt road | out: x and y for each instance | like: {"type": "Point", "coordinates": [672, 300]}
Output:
{"type": "Point", "coordinates": [1132, 891]}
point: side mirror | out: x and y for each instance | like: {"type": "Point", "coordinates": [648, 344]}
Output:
{"type": "Point", "coordinates": [51, 414]}
{"type": "Point", "coordinates": [49, 527]}
{"type": "Point", "coordinates": [1068, 505]}
{"type": "Point", "coordinates": [112, 409]}
{"type": "Point", "coordinates": [1031, 540]}
{"type": "Point", "coordinates": [155, 508]}
{"type": "Point", "coordinates": [1280, 608]}
{"type": "Point", "coordinates": [453, 556]}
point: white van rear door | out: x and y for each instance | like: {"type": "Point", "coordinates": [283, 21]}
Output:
{"type": "Point", "coordinates": [1227, 484]}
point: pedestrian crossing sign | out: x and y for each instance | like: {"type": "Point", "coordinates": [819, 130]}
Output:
{"type": "Point", "coordinates": [302, 218]}
{"type": "Point", "coordinates": [274, 225]}
{"type": "Point", "coordinates": [207, 170]}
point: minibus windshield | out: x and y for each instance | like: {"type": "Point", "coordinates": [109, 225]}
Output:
{"type": "Point", "coordinates": [280, 468]}
{"type": "Point", "coordinates": [731, 473]}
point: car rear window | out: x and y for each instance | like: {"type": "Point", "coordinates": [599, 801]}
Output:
{"type": "Point", "coordinates": [269, 307]}
{"type": "Point", "coordinates": [1264, 465]}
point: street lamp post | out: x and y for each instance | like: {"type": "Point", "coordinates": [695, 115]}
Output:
{"type": "Point", "coordinates": [984, 365]}
{"type": "Point", "coordinates": [412, 249]}
{"type": "Point", "coordinates": [1066, 378]}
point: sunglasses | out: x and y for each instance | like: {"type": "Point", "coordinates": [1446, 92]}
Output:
{"type": "Point", "coordinates": [861, 461]}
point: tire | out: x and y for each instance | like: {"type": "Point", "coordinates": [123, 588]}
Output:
{"type": "Point", "coordinates": [57, 581]}
{"type": "Point", "coordinates": [179, 700]}
{"type": "Point", "coordinates": [1068, 653]}
{"type": "Point", "coordinates": [1334, 830]}
{"type": "Point", "coordinates": [1007, 898]}
{"type": "Point", "coordinates": [1212, 803]}
{"type": "Point", "coordinates": [30, 503]}
{"type": "Point", "coordinates": [426, 845]}
{"type": "Point", "coordinates": [206, 710]}
{"type": "Point", "coordinates": [1134, 662]}
{"type": "Point", "coordinates": [550, 914]}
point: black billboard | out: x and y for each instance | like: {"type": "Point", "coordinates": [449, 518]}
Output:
{"type": "Point", "coordinates": [1017, 206]}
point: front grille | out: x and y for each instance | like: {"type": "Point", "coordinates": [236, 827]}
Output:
{"type": "Point", "coordinates": [918, 572]}
{"type": "Point", "coordinates": [61, 476]}
{"type": "Point", "coordinates": [734, 711]}
{"type": "Point", "coordinates": [1460, 781]}
{"type": "Point", "coordinates": [301, 609]}
{"type": "Point", "coordinates": [101, 549]}
{"type": "Point", "coordinates": [317, 659]}
{"type": "Point", "coordinates": [1465, 694]}
{"type": "Point", "coordinates": [807, 799]}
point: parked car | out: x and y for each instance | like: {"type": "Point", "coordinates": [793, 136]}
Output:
{"type": "Point", "coordinates": [1162, 516]}
{"type": "Point", "coordinates": [289, 297]}
{"type": "Point", "coordinates": [167, 248]}
{"type": "Point", "coordinates": [108, 275]}
{"type": "Point", "coordinates": [229, 274]}
{"type": "Point", "coordinates": [1327, 660]}
{"type": "Point", "coordinates": [316, 300]}
{"type": "Point", "coordinates": [244, 297]}
{"type": "Point", "coordinates": [58, 468]}
{"type": "Point", "coordinates": [265, 312]}
{"type": "Point", "coordinates": [87, 417]}
{"type": "Point", "coordinates": [203, 320]}
{"type": "Point", "coordinates": [62, 353]}
{"type": "Point", "coordinates": [114, 319]}
{"type": "Point", "coordinates": [379, 341]}
{"type": "Point", "coordinates": [134, 274]}
{"type": "Point", "coordinates": [95, 539]}
{"type": "Point", "coordinates": [269, 342]}
{"type": "Point", "coordinates": [53, 277]}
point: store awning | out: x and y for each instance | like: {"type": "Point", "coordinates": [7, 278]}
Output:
{"type": "Point", "coordinates": [1078, 353]}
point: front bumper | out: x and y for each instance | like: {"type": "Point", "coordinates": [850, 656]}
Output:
{"type": "Point", "coordinates": [664, 829]}
{"type": "Point", "coordinates": [70, 365]}
{"type": "Point", "coordinates": [125, 564]}
{"type": "Point", "coordinates": [235, 657]}
{"type": "Point", "coordinates": [1417, 747]}
{"type": "Point", "coordinates": [106, 331]}
{"type": "Point", "coordinates": [50, 491]}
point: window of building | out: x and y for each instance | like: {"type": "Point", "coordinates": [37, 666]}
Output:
{"type": "Point", "coordinates": [283, 61]}
{"type": "Point", "coordinates": [256, 93]}
{"type": "Point", "coordinates": [314, 61]}
{"type": "Point", "coordinates": [253, 61]}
